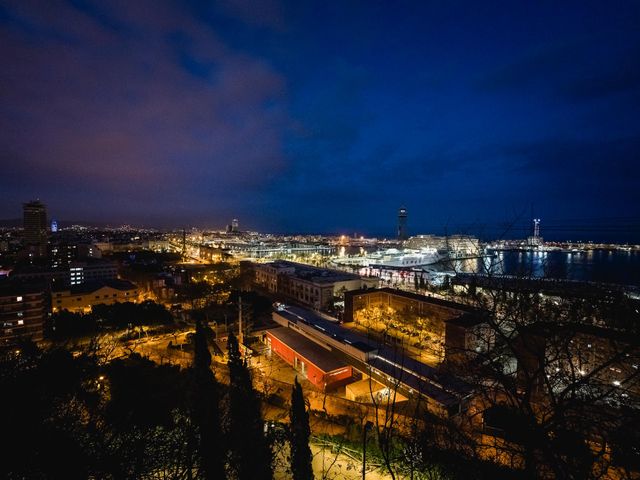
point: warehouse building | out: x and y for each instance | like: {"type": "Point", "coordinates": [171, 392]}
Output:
{"type": "Point", "coordinates": [312, 361]}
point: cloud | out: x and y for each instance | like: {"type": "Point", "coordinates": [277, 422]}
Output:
{"type": "Point", "coordinates": [605, 160]}
{"type": "Point", "coordinates": [594, 177]}
{"type": "Point", "coordinates": [266, 13]}
{"type": "Point", "coordinates": [622, 78]}
{"type": "Point", "coordinates": [574, 71]}
{"type": "Point", "coordinates": [106, 99]}
{"type": "Point", "coordinates": [531, 67]}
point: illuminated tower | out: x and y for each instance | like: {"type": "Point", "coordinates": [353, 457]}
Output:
{"type": "Point", "coordinates": [35, 228]}
{"type": "Point", "coordinates": [234, 225]}
{"type": "Point", "coordinates": [402, 224]}
{"type": "Point", "coordinates": [535, 240]}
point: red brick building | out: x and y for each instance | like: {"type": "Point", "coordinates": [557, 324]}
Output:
{"type": "Point", "coordinates": [315, 363]}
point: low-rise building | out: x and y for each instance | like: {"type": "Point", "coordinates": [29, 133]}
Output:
{"type": "Point", "coordinates": [442, 393]}
{"type": "Point", "coordinates": [447, 329]}
{"type": "Point", "coordinates": [22, 310]}
{"type": "Point", "coordinates": [368, 390]}
{"type": "Point", "coordinates": [315, 363]}
{"type": "Point", "coordinates": [309, 285]}
{"type": "Point", "coordinates": [81, 298]}
{"type": "Point", "coordinates": [562, 354]}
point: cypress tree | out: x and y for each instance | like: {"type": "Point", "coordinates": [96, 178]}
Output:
{"type": "Point", "coordinates": [250, 451]}
{"type": "Point", "coordinates": [299, 433]}
{"type": "Point", "coordinates": [206, 410]}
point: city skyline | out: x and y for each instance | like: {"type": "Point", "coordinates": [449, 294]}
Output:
{"type": "Point", "coordinates": [324, 118]}
{"type": "Point", "coordinates": [579, 230]}
{"type": "Point", "coordinates": [285, 239]}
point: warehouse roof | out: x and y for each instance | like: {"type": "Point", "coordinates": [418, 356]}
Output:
{"type": "Point", "coordinates": [311, 351]}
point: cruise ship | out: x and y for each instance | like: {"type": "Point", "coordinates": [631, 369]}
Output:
{"type": "Point", "coordinates": [394, 258]}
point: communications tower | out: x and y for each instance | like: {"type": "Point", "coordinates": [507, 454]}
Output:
{"type": "Point", "coordinates": [402, 224]}
{"type": "Point", "coordinates": [535, 240]}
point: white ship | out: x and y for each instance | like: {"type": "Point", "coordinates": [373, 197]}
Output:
{"type": "Point", "coordinates": [393, 258]}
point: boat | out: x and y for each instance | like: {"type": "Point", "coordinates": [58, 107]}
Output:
{"type": "Point", "coordinates": [395, 259]}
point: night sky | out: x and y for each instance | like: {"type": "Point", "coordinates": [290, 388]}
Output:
{"type": "Point", "coordinates": [324, 116]}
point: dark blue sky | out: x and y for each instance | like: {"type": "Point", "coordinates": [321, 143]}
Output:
{"type": "Point", "coordinates": [324, 116]}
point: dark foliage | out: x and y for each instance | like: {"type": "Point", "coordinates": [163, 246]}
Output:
{"type": "Point", "coordinates": [35, 388]}
{"type": "Point", "coordinates": [205, 409]}
{"type": "Point", "coordinates": [299, 433]}
{"type": "Point", "coordinates": [143, 393]}
{"type": "Point", "coordinates": [69, 417]}
{"type": "Point", "coordinates": [250, 451]}
{"type": "Point", "coordinates": [64, 325]}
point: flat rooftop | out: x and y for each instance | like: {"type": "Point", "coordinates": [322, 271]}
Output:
{"type": "Point", "coordinates": [325, 326]}
{"type": "Point", "coordinates": [315, 274]}
{"type": "Point", "coordinates": [311, 351]}
{"type": "Point", "coordinates": [89, 287]}
{"type": "Point", "coordinates": [365, 387]}
{"type": "Point", "coordinates": [417, 297]}
{"type": "Point", "coordinates": [9, 287]}
{"type": "Point", "coordinates": [444, 388]}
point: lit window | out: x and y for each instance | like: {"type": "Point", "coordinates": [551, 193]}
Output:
{"type": "Point", "coordinates": [20, 322]}
{"type": "Point", "coordinates": [18, 299]}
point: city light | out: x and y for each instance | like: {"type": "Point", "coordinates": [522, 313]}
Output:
{"type": "Point", "coordinates": [438, 269]}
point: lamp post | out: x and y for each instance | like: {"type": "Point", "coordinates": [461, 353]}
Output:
{"type": "Point", "coordinates": [367, 426]}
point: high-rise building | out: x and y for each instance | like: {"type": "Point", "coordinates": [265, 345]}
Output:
{"type": "Point", "coordinates": [22, 312]}
{"type": "Point", "coordinates": [35, 228]}
{"type": "Point", "coordinates": [54, 226]}
{"type": "Point", "coordinates": [402, 224]}
{"type": "Point", "coordinates": [234, 226]}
